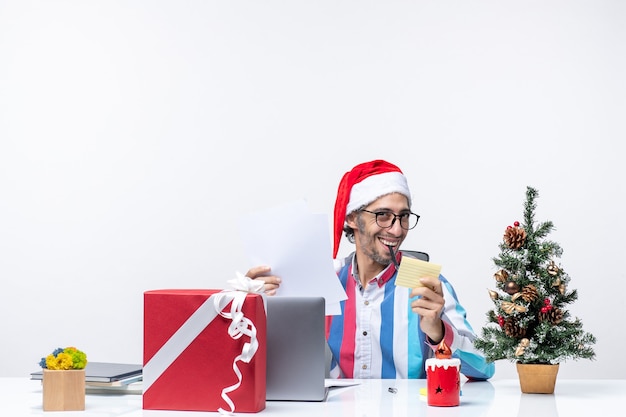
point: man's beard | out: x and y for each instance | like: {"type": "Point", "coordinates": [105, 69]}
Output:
{"type": "Point", "coordinates": [369, 245]}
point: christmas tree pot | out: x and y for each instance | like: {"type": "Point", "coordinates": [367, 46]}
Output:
{"type": "Point", "coordinates": [537, 378]}
{"type": "Point", "coordinates": [63, 390]}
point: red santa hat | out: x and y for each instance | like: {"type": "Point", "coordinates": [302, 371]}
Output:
{"type": "Point", "coordinates": [362, 185]}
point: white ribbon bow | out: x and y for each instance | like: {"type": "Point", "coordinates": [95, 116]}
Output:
{"type": "Point", "coordinates": [240, 326]}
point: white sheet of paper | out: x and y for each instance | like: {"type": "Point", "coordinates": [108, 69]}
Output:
{"type": "Point", "coordinates": [295, 243]}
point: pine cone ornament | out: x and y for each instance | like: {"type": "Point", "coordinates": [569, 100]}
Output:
{"type": "Point", "coordinates": [514, 237]}
{"type": "Point", "coordinates": [529, 293]}
{"type": "Point", "coordinates": [552, 315]}
{"type": "Point", "coordinates": [512, 329]}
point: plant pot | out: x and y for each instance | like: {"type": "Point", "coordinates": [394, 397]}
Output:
{"type": "Point", "coordinates": [63, 390]}
{"type": "Point", "coordinates": [537, 378]}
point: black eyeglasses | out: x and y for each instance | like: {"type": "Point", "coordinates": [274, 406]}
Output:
{"type": "Point", "coordinates": [387, 219]}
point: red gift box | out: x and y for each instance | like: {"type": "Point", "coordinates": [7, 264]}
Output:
{"type": "Point", "coordinates": [190, 360]}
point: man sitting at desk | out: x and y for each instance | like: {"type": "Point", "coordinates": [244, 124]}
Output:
{"type": "Point", "coordinates": [386, 331]}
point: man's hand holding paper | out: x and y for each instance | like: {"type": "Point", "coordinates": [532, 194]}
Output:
{"type": "Point", "coordinates": [423, 278]}
{"type": "Point", "coordinates": [302, 260]}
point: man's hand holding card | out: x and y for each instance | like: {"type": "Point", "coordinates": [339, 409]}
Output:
{"type": "Point", "coordinates": [411, 270]}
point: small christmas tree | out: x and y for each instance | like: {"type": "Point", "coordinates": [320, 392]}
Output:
{"type": "Point", "coordinates": [530, 322]}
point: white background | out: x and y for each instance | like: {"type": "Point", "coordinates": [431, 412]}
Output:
{"type": "Point", "coordinates": [135, 134]}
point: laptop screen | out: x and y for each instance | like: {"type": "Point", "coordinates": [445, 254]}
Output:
{"type": "Point", "coordinates": [296, 349]}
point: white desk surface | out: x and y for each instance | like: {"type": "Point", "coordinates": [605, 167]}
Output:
{"type": "Point", "coordinates": [370, 398]}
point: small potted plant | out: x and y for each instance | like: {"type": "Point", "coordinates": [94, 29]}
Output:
{"type": "Point", "coordinates": [64, 380]}
{"type": "Point", "coordinates": [530, 324]}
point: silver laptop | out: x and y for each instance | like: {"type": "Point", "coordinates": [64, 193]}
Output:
{"type": "Point", "coordinates": [296, 349]}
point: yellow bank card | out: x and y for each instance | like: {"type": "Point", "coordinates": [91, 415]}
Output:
{"type": "Point", "coordinates": [411, 270]}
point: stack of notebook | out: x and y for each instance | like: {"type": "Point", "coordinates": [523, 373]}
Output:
{"type": "Point", "coordinates": [106, 376]}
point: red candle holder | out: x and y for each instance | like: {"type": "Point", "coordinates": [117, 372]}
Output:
{"type": "Point", "coordinates": [443, 381]}
{"type": "Point", "coordinates": [443, 378]}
